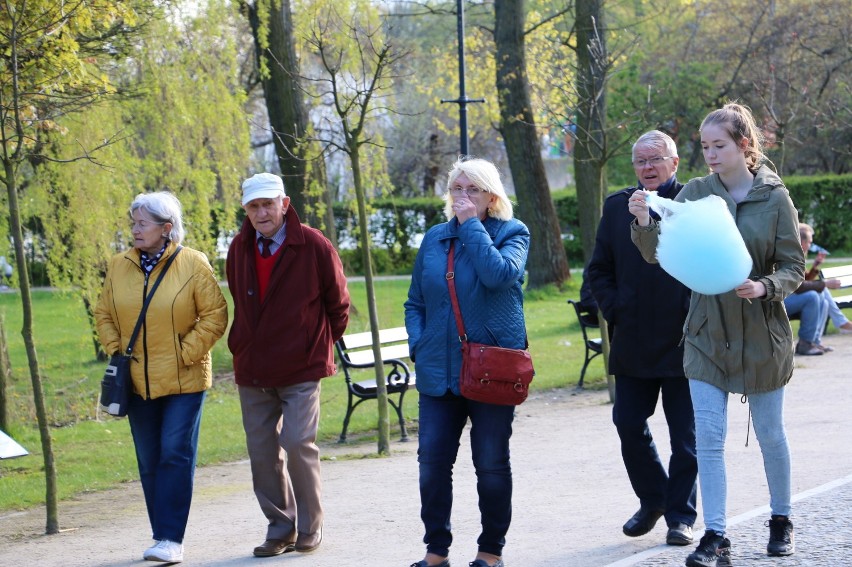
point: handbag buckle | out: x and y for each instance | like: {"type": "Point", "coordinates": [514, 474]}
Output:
{"type": "Point", "coordinates": [450, 275]}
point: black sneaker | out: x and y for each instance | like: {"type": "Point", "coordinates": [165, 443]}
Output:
{"type": "Point", "coordinates": [713, 551]}
{"type": "Point", "coordinates": [780, 536]}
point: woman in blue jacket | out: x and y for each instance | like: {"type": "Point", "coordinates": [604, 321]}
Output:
{"type": "Point", "coordinates": [490, 254]}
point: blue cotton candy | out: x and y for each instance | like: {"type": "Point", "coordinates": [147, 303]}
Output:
{"type": "Point", "coordinates": [699, 244]}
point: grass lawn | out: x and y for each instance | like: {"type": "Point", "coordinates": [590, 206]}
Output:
{"type": "Point", "coordinates": [94, 451]}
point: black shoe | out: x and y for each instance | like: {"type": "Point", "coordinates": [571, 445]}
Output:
{"type": "Point", "coordinates": [642, 522]}
{"type": "Point", "coordinates": [444, 563]}
{"type": "Point", "coordinates": [713, 551]}
{"type": "Point", "coordinates": [679, 534]}
{"type": "Point", "coordinates": [780, 536]}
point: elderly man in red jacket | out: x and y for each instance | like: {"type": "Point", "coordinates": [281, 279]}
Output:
{"type": "Point", "coordinates": [291, 304]}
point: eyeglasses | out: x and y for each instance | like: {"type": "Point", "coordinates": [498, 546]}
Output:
{"type": "Point", "coordinates": [144, 225]}
{"type": "Point", "coordinates": [470, 191]}
{"type": "Point", "coordinates": [654, 161]}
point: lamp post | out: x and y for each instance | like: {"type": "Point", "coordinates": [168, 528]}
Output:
{"type": "Point", "coordinates": [463, 99]}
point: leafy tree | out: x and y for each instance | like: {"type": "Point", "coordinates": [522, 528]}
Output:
{"type": "Point", "coordinates": [49, 53]}
{"type": "Point", "coordinates": [184, 64]}
{"type": "Point", "coordinates": [277, 65]}
{"type": "Point", "coordinates": [187, 125]}
{"type": "Point", "coordinates": [356, 73]}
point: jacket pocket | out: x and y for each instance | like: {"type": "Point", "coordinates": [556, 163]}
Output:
{"type": "Point", "coordinates": [696, 321]}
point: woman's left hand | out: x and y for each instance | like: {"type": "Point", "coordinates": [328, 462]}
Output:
{"type": "Point", "coordinates": [464, 209]}
{"type": "Point", "coordinates": [750, 289]}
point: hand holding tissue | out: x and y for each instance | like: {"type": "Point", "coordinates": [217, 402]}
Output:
{"type": "Point", "coordinates": [699, 244]}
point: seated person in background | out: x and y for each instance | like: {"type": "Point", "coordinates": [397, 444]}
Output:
{"type": "Point", "coordinates": [811, 301]}
{"type": "Point", "coordinates": [837, 317]}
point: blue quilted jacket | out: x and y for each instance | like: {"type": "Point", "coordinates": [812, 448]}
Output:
{"type": "Point", "coordinates": [490, 256]}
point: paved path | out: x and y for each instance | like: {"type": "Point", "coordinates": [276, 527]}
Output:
{"type": "Point", "coordinates": [571, 496]}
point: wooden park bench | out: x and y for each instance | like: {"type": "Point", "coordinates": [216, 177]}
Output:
{"type": "Point", "coordinates": [356, 352]}
{"type": "Point", "coordinates": [844, 274]}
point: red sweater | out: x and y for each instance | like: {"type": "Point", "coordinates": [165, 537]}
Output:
{"type": "Point", "coordinates": [264, 270]}
{"type": "Point", "coordinates": [288, 336]}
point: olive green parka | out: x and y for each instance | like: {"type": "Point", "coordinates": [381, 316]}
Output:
{"type": "Point", "coordinates": [734, 344]}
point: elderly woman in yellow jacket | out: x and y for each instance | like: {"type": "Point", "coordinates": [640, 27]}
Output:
{"type": "Point", "coordinates": [171, 367]}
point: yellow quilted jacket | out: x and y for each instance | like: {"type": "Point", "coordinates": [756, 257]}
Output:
{"type": "Point", "coordinates": [186, 317]}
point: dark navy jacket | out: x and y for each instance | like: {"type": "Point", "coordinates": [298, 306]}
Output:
{"type": "Point", "coordinates": [644, 306]}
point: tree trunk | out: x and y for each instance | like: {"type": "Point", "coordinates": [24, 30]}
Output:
{"type": "Point", "coordinates": [52, 522]}
{"type": "Point", "coordinates": [381, 386]}
{"type": "Point", "coordinates": [284, 103]}
{"type": "Point", "coordinates": [100, 355]}
{"type": "Point", "coordinates": [547, 263]}
{"type": "Point", "coordinates": [432, 167]}
{"type": "Point", "coordinates": [590, 149]}
{"type": "Point", "coordinates": [5, 376]}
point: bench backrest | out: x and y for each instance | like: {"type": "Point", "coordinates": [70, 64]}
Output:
{"type": "Point", "coordinates": [842, 273]}
{"type": "Point", "coordinates": [357, 349]}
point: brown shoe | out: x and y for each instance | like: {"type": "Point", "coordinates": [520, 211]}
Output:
{"type": "Point", "coordinates": [307, 543]}
{"type": "Point", "coordinates": [272, 547]}
{"type": "Point", "coordinates": [806, 348]}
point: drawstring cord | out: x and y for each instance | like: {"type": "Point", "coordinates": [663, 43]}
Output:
{"type": "Point", "coordinates": [743, 400]}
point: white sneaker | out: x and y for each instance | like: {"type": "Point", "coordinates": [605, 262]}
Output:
{"type": "Point", "coordinates": [166, 551]}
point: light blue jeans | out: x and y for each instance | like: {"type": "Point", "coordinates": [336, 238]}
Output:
{"type": "Point", "coordinates": [837, 316]}
{"type": "Point", "coordinates": [813, 309]}
{"type": "Point", "coordinates": [711, 427]}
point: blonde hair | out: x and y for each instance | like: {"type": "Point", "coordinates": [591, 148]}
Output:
{"type": "Point", "coordinates": [806, 231]}
{"type": "Point", "coordinates": [738, 121]}
{"type": "Point", "coordinates": [484, 175]}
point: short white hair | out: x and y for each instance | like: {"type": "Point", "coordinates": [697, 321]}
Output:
{"type": "Point", "coordinates": [484, 175]}
{"type": "Point", "coordinates": [163, 207]}
{"type": "Point", "coordinates": [658, 140]}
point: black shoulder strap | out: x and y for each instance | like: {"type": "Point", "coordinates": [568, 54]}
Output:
{"type": "Point", "coordinates": [141, 319]}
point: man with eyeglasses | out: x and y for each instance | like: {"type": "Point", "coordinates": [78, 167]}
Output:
{"type": "Point", "coordinates": [645, 308]}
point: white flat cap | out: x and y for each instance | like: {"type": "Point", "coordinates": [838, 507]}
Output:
{"type": "Point", "coordinates": [262, 186]}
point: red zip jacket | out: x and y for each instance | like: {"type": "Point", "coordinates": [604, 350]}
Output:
{"type": "Point", "coordinates": [288, 338]}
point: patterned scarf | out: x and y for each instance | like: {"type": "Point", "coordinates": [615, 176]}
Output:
{"type": "Point", "coordinates": [148, 262]}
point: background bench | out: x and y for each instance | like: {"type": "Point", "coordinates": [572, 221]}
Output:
{"type": "Point", "coordinates": [593, 346]}
{"type": "Point", "coordinates": [356, 352]}
{"type": "Point", "coordinates": [844, 274]}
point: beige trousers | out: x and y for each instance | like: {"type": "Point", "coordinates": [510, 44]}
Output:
{"type": "Point", "coordinates": [281, 431]}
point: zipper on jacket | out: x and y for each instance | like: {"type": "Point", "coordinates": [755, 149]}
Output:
{"type": "Point", "coordinates": [145, 340]}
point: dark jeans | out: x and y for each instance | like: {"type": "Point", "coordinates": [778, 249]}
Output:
{"type": "Point", "coordinates": [635, 402]}
{"type": "Point", "coordinates": [442, 420]}
{"type": "Point", "coordinates": [165, 433]}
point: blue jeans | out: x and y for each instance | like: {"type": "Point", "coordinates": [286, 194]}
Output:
{"type": "Point", "coordinates": [711, 427]}
{"type": "Point", "coordinates": [810, 305]}
{"type": "Point", "coordinates": [673, 491]}
{"type": "Point", "coordinates": [442, 420]}
{"type": "Point", "coordinates": [837, 316]}
{"type": "Point", "coordinates": [165, 434]}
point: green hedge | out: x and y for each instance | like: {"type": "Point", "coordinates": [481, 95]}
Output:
{"type": "Point", "coordinates": [825, 203]}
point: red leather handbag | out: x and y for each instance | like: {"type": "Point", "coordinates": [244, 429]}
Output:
{"type": "Point", "coordinates": [489, 374]}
